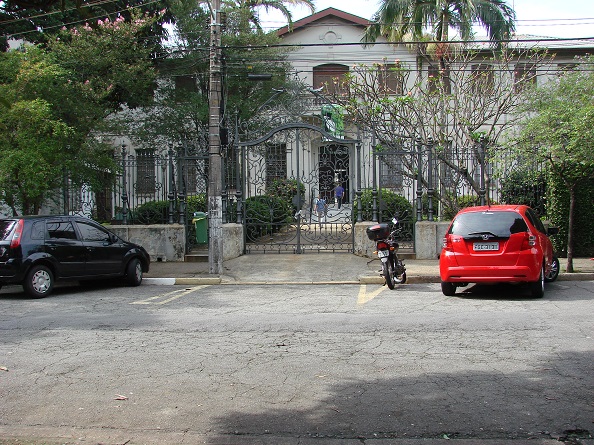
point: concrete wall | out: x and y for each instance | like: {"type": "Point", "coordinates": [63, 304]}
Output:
{"type": "Point", "coordinates": [163, 242]}
{"type": "Point", "coordinates": [167, 242]}
{"type": "Point", "coordinates": [363, 245]}
{"type": "Point", "coordinates": [428, 237]}
{"type": "Point", "coordinates": [233, 241]}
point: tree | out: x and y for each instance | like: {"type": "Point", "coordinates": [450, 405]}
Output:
{"type": "Point", "coordinates": [396, 18]}
{"type": "Point", "coordinates": [55, 99]}
{"type": "Point", "coordinates": [179, 113]}
{"type": "Point", "coordinates": [38, 21]}
{"type": "Point", "coordinates": [462, 116]}
{"type": "Point", "coordinates": [246, 11]}
{"type": "Point", "coordinates": [557, 127]}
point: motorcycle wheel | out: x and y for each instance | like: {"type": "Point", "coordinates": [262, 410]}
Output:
{"type": "Point", "coordinates": [400, 278]}
{"type": "Point", "coordinates": [389, 274]}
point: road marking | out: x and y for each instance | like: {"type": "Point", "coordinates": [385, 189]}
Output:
{"type": "Point", "coordinates": [364, 297]}
{"type": "Point", "coordinates": [170, 296]}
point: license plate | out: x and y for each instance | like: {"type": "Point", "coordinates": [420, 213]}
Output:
{"type": "Point", "coordinates": [383, 253]}
{"type": "Point", "coordinates": [485, 246]}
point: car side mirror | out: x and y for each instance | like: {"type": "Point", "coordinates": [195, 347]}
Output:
{"type": "Point", "coordinates": [552, 231]}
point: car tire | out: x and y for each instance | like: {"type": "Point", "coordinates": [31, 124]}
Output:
{"type": "Point", "coordinates": [448, 289]}
{"type": "Point", "coordinates": [537, 287]}
{"type": "Point", "coordinates": [39, 281]}
{"type": "Point", "coordinates": [554, 272]}
{"type": "Point", "coordinates": [134, 273]}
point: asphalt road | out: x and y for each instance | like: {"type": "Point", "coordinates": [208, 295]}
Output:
{"type": "Point", "coordinates": [330, 364]}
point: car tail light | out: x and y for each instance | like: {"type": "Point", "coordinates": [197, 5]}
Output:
{"type": "Point", "coordinates": [446, 243]}
{"type": "Point", "coordinates": [529, 241]}
{"type": "Point", "coordinates": [15, 241]}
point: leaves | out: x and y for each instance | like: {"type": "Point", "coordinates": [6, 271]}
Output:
{"type": "Point", "coordinates": [54, 100]}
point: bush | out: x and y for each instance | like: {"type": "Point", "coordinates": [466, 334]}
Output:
{"type": "Point", "coordinates": [558, 213]}
{"type": "Point", "coordinates": [389, 205]}
{"type": "Point", "coordinates": [525, 187]}
{"type": "Point", "coordinates": [450, 208]}
{"type": "Point", "coordinates": [266, 214]}
{"type": "Point", "coordinates": [152, 212]}
{"type": "Point", "coordinates": [196, 203]}
{"type": "Point", "coordinates": [286, 189]}
{"type": "Point", "coordinates": [157, 212]}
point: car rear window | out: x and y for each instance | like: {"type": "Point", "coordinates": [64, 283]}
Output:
{"type": "Point", "coordinates": [500, 224]}
{"type": "Point", "coordinates": [6, 226]}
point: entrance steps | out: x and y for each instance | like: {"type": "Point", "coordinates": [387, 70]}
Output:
{"type": "Point", "coordinates": [198, 254]}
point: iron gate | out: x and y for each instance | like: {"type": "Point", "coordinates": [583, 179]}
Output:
{"type": "Point", "coordinates": [290, 176]}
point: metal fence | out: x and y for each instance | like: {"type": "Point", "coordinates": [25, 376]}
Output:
{"type": "Point", "coordinates": [157, 188]}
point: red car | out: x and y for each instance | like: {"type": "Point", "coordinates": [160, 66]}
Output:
{"type": "Point", "coordinates": [495, 244]}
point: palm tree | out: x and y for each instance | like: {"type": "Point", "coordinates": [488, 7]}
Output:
{"type": "Point", "coordinates": [248, 9]}
{"type": "Point", "coordinates": [397, 18]}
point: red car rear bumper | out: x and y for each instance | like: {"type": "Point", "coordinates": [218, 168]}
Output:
{"type": "Point", "coordinates": [527, 270]}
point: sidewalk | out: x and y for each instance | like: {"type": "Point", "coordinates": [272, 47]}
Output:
{"type": "Point", "coordinates": [313, 268]}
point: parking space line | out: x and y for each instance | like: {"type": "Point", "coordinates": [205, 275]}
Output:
{"type": "Point", "coordinates": [365, 297]}
{"type": "Point", "coordinates": [169, 296]}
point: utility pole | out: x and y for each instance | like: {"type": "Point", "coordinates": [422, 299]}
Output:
{"type": "Point", "coordinates": [215, 197]}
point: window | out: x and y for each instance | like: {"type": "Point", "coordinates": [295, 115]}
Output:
{"type": "Point", "coordinates": [391, 171]}
{"type": "Point", "coordinates": [6, 227]}
{"type": "Point", "coordinates": [329, 76]}
{"type": "Point", "coordinates": [500, 224]}
{"type": "Point", "coordinates": [390, 79]}
{"type": "Point", "coordinates": [438, 80]}
{"type": "Point", "coordinates": [483, 81]}
{"type": "Point", "coordinates": [92, 233]}
{"type": "Point", "coordinates": [60, 230]}
{"type": "Point", "coordinates": [276, 163]}
{"type": "Point", "coordinates": [524, 76]}
{"type": "Point", "coordinates": [145, 172]}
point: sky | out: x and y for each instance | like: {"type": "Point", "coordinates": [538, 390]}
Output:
{"type": "Point", "coordinates": [545, 18]}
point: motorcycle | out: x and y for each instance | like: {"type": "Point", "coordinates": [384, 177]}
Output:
{"type": "Point", "coordinates": [393, 269]}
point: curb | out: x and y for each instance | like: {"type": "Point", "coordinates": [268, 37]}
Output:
{"type": "Point", "coordinates": [576, 276]}
{"type": "Point", "coordinates": [412, 279]}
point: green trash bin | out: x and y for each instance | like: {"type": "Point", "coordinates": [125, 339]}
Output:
{"type": "Point", "coordinates": [201, 225]}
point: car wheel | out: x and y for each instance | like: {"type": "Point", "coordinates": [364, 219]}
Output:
{"type": "Point", "coordinates": [554, 272]}
{"type": "Point", "coordinates": [448, 289]}
{"type": "Point", "coordinates": [39, 281]}
{"type": "Point", "coordinates": [537, 287]}
{"type": "Point", "coordinates": [134, 273]}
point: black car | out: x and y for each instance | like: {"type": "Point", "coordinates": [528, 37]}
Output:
{"type": "Point", "coordinates": [36, 251]}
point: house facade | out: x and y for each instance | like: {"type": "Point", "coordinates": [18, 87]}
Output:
{"type": "Point", "coordinates": [301, 135]}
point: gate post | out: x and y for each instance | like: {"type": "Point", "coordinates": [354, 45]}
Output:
{"type": "Point", "coordinates": [374, 190]}
{"type": "Point", "coordinates": [359, 192]}
{"type": "Point", "coordinates": [238, 172]}
{"type": "Point", "coordinates": [171, 194]}
{"type": "Point", "coordinates": [482, 190]}
{"type": "Point", "coordinates": [181, 195]}
{"type": "Point", "coordinates": [419, 147]}
{"type": "Point", "coordinates": [297, 150]}
{"type": "Point", "coordinates": [430, 178]}
{"type": "Point", "coordinates": [124, 187]}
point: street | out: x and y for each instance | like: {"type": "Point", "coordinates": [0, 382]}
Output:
{"type": "Point", "coordinates": [289, 364]}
